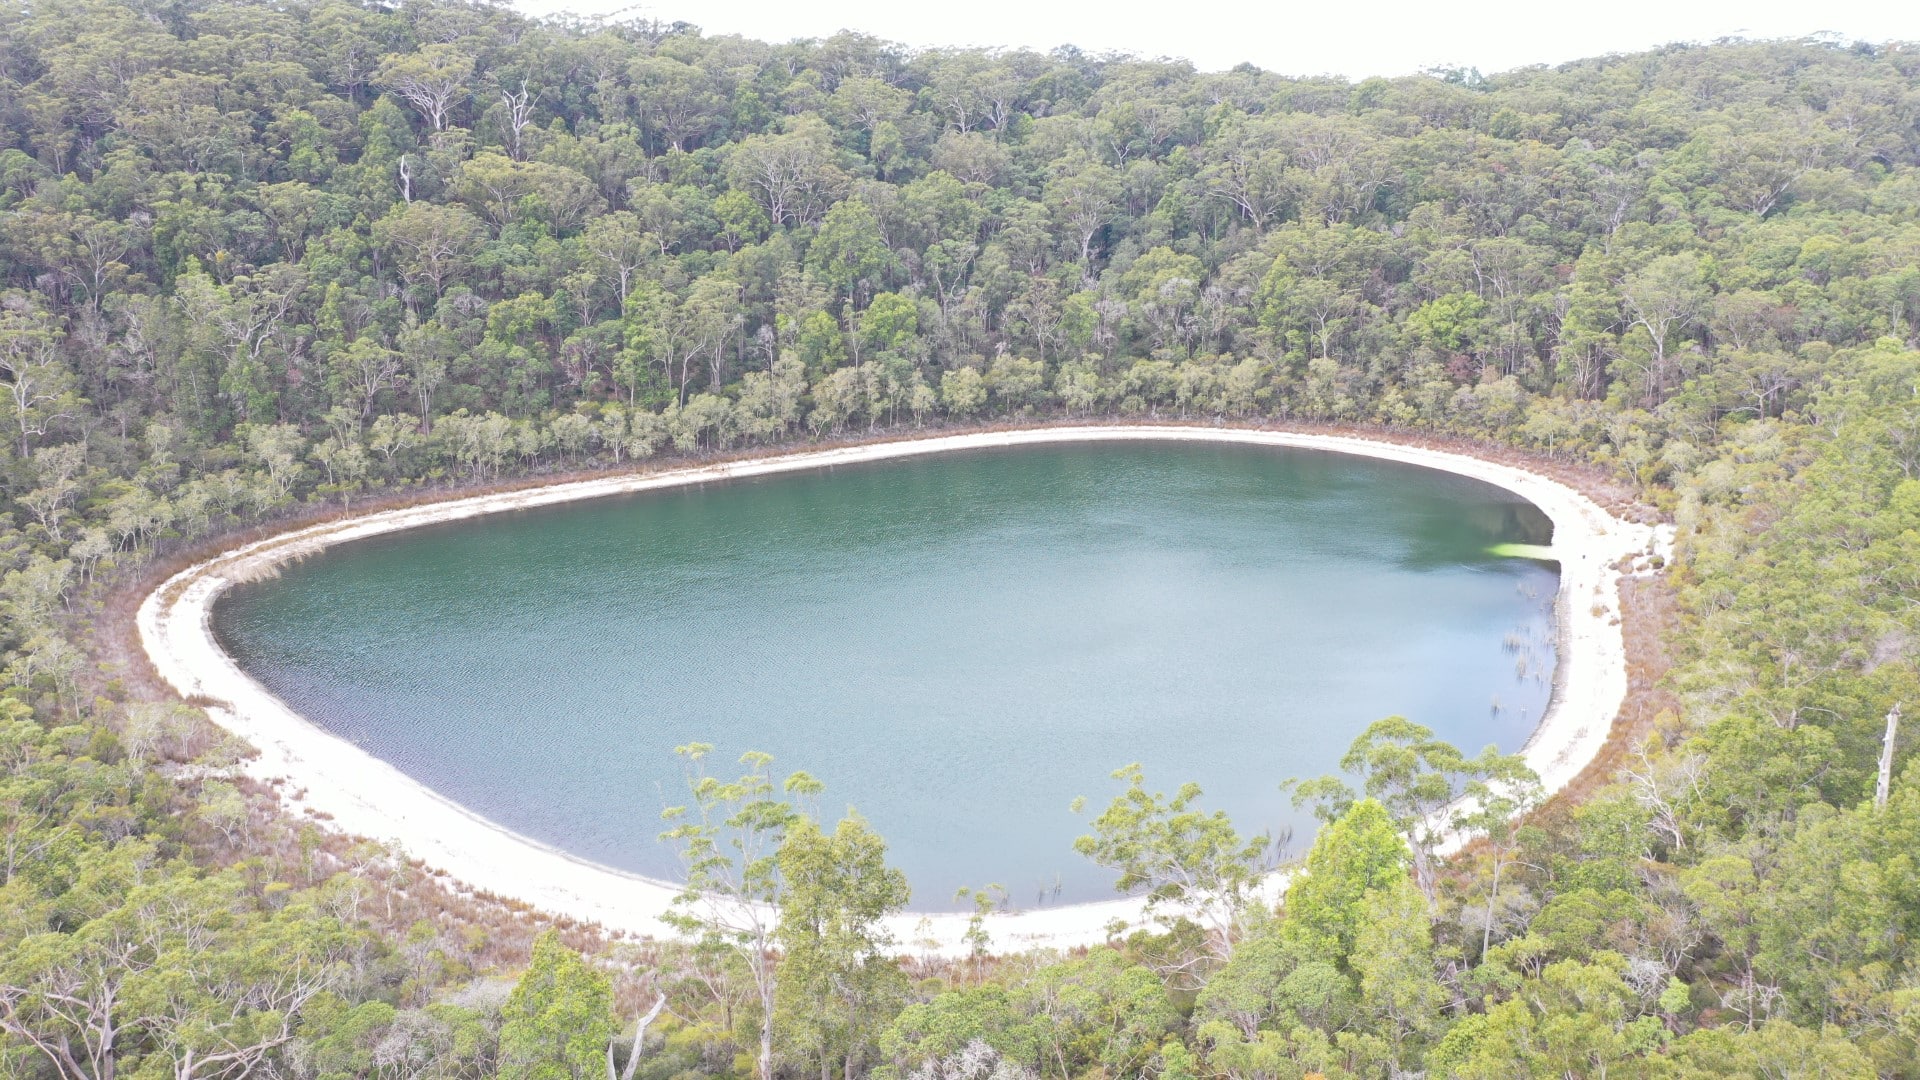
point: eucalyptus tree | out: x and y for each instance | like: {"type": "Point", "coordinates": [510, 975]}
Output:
{"type": "Point", "coordinates": [1191, 864]}
{"type": "Point", "coordinates": [729, 840]}
{"type": "Point", "coordinates": [839, 980]}
{"type": "Point", "coordinates": [557, 1024]}
{"type": "Point", "coordinates": [1495, 807]}
{"type": "Point", "coordinates": [1356, 854]}
{"type": "Point", "coordinates": [432, 80]}
{"type": "Point", "coordinates": [37, 384]}
{"type": "Point", "coordinates": [1416, 778]}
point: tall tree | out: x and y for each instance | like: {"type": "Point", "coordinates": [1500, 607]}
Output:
{"type": "Point", "coordinates": [839, 981]}
{"type": "Point", "coordinates": [1192, 864]}
{"type": "Point", "coordinates": [1415, 777]}
{"type": "Point", "coordinates": [558, 1021]}
{"type": "Point", "coordinates": [1355, 854]}
{"type": "Point", "coordinates": [729, 840]}
{"type": "Point", "coordinates": [433, 80]}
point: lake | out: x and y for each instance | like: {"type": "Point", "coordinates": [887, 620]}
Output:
{"type": "Point", "coordinates": [957, 645]}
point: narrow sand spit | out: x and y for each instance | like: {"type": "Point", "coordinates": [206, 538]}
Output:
{"type": "Point", "coordinates": [362, 795]}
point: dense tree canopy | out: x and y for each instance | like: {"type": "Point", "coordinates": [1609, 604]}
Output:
{"type": "Point", "coordinates": [258, 261]}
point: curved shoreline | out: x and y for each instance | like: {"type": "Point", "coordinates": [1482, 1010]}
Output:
{"type": "Point", "coordinates": [358, 793]}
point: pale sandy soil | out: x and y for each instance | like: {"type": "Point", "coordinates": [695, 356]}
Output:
{"type": "Point", "coordinates": [361, 795]}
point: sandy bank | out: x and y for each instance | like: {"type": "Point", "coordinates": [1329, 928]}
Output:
{"type": "Point", "coordinates": [360, 794]}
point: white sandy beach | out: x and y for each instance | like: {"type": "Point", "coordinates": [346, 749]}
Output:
{"type": "Point", "coordinates": [359, 794]}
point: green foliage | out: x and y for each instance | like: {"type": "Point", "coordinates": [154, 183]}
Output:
{"type": "Point", "coordinates": [1416, 778]}
{"type": "Point", "coordinates": [1096, 1010]}
{"type": "Point", "coordinates": [1099, 1009]}
{"type": "Point", "coordinates": [559, 1018]}
{"type": "Point", "coordinates": [1393, 958]}
{"type": "Point", "coordinates": [1776, 1048]}
{"type": "Point", "coordinates": [1357, 853]}
{"type": "Point", "coordinates": [945, 1025]}
{"type": "Point", "coordinates": [188, 969]}
{"type": "Point", "coordinates": [260, 260]}
{"type": "Point", "coordinates": [1574, 1018]}
{"type": "Point", "coordinates": [838, 979]}
{"type": "Point", "coordinates": [730, 841]}
{"type": "Point", "coordinates": [1187, 862]}
{"type": "Point", "coordinates": [1274, 982]}
{"type": "Point", "coordinates": [730, 836]}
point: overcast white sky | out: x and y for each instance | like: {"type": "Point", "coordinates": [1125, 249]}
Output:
{"type": "Point", "coordinates": [1356, 39]}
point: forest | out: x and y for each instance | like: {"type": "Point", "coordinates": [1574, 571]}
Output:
{"type": "Point", "coordinates": [261, 263]}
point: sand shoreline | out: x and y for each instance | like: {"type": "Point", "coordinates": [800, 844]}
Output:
{"type": "Point", "coordinates": [362, 795]}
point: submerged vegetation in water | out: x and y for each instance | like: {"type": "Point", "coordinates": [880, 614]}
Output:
{"type": "Point", "coordinates": [1543, 552]}
{"type": "Point", "coordinates": [256, 259]}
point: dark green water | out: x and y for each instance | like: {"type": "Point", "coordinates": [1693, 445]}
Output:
{"type": "Point", "coordinates": [957, 645]}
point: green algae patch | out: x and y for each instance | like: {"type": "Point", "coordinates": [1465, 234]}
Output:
{"type": "Point", "coordinates": [1541, 552]}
